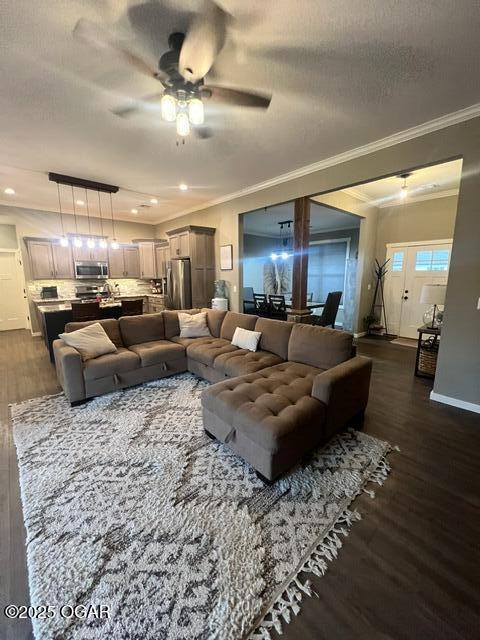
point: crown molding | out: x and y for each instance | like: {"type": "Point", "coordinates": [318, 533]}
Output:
{"type": "Point", "coordinates": [448, 120]}
{"type": "Point", "coordinates": [356, 193]}
{"type": "Point", "coordinates": [420, 198]}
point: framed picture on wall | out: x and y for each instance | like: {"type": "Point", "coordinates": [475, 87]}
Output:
{"type": "Point", "coordinates": [226, 257]}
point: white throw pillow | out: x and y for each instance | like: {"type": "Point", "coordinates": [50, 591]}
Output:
{"type": "Point", "coordinates": [90, 342]}
{"type": "Point", "coordinates": [246, 339]}
{"type": "Point", "coordinates": [193, 326]}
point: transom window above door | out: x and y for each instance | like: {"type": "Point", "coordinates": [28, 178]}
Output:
{"type": "Point", "coordinates": [435, 260]}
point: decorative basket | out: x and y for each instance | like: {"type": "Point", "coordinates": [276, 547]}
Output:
{"type": "Point", "coordinates": [427, 362]}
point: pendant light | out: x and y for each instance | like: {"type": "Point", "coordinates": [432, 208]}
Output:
{"type": "Point", "coordinates": [404, 190]}
{"type": "Point", "coordinates": [63, 239]}
{"type": "Point", "coordinates": [183, 124]}
{"type": "Point", "coordinates": [90, 241]}
{"type": "Point", "coordinates": [114, 243]}
{"type": "Point", "coordinates": [77, 240]}
{"type": "Point", "coordinates": [103, 243]}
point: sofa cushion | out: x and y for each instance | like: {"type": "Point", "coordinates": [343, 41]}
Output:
{"type": "Point", "coordinates": [158, 351]}
{"type": "Point", "coordinates": [170, 321]}
{"type": "Point", "coordinates": [139, 329]}
{"type": "Point", "coordinates": [90, 341]}
{"type": "Point", "coordinates": [319, 346]}
{"type": "Point", "coordinates": [186, 341]}
{"type": "Point", "coordinates": [193, 325]}
{"type": "Point", "coordinates": [275, 336]}
{"type": "Point", "coordinates": [233, 320]}
{"type": "Point", "coordinates": [269, 407]}
{"type": "Point", "coordinates": [215, 319]}
{"type": "Point", "coordinates": [245, 339]}
{"type": "Point", "coordinates": [110, 364]}
{"type": "Point", "coordinates": [111, 327]}
{"type": "Point", "coordinates": [242, 362]}
{"type": "Point", "coordinates": [205, 350]}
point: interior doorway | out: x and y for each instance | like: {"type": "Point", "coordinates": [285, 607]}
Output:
{"type": "Point", "coordinates": [12, 294]}
{"type": "Point", "coordinates": [413, 265]}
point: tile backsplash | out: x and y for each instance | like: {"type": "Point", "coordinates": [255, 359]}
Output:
{"type": "Point", "coordinates": [66, 288]}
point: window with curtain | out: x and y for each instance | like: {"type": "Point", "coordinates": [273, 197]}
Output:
{"type": "Point", "coordinates": [327, 263]}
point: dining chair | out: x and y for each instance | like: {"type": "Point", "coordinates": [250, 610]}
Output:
{"type": "Point", "coordinates": [248, 300]}
{"type": "Point", "coordinates": [132, 307]}
{"type": "Point", "coordinates": [278, 309]}
{"type": "Point", "coordinates": [330, 310]}
{"type": "Point", "coordinates": [83, 311]}
{"type": "Point", "coordinates": [261, 305]}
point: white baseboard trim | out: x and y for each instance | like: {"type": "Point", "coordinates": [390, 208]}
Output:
{"type": "Point", "coordinates": [35, 334]}
{"type": "Point", "coordinates": [455, 402]}
{"type": "Point", "coordinates": [360, 335]}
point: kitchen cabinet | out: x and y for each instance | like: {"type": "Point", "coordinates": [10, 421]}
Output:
{"type": "Point", "coordinates": [48, 259]}
{"type": "Point", "coordinates": [162, 255]}
{"type": "Point", "coordinates": [156, 304]}
{"type": "Point", "coordinates": [41, 259]}
{"type": "Point", "coordinates": [198, 244]}
{"type": "Point", "coordinates": [62, 261]}
{"type": "Point", "coordinates": [124, 262]}
{"type": "Point", "coordinates": [131, 256]}
{"type": "Point", "coordinates": [85, 254]}
{"type": "Point", "coordinates": [147, 259]}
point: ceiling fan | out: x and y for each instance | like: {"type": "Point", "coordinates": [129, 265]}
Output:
{"type": "Point", "coordinates": [181, 70]}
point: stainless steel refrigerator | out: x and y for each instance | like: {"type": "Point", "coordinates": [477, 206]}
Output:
{"type": "Point", "coordinates": [179, 283]}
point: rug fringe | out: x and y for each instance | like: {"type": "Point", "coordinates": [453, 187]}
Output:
{"type": "Point", "coordinates": [288, 603]}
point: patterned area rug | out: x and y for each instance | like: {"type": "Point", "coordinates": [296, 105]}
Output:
{"type": "Point", "coordinates": [127, 503]}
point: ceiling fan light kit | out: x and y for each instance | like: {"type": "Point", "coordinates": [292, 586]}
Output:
{"type": "Point", "coordinates": [181, 70]}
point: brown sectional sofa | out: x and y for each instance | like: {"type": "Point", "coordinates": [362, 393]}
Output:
{"type": "Point", "coordinates": [272, 406]}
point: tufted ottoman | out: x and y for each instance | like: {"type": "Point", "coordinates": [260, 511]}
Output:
{"type": "Point", "coordinates": [269, 418]}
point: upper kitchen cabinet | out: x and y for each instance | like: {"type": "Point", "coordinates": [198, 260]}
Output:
{"type": "Point", "coordinates": [124, 262]}
{"type": "Point", "coordinates": [85, 254]}
{"type": "Point", "coordinates": [48, 259]}
{"type": "Point", "coordinates": [198, 244]}
{"type": "Point", "coordinates": [162, 255]}
{"type": "Point", "coordinates": [147, 259]}
{"type": "Point", "coordinates": [62, 261]}
{"type": "Point", "coordinates": [41, 259]}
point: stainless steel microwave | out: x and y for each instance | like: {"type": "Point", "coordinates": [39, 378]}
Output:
{"type": "Point", "coordinates": [91, 270]}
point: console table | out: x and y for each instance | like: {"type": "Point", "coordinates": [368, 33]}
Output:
{"type": "Point", "coordinates": [427, 351]}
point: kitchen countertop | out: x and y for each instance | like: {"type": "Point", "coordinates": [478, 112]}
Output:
{"type": "Point", "coordinates": [55, 308]}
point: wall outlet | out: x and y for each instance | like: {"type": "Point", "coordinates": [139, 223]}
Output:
{"type": "Point", "coordinates": [234, 288]}
{"type": "Point", "coordinates": [478, 304]}
{"type": "Point", "coordinates": [369, 286]}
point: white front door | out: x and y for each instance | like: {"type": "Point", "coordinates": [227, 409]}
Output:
{"type": "Point", "coordinates": [410, 267]}
{"type": "Point", "coordinates": [12, 301]}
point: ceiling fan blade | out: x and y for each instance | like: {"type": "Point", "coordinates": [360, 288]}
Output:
{"type": "Point", "coordinates": [204, 40]}
{"type": "Point", "coordinates": [99, 38]}
{"type": "Point", "coordinates": [236, 97]}
{"type": "Point", "coordinates": [125, 112]}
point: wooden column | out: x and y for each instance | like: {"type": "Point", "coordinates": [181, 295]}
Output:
{"type": "Point", "coordinates": [301, 238]}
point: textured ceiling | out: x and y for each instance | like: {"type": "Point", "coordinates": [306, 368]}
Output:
{"type": "Point", "coordinates": [264, 222]}
{"type": "Point", "coordinates": [342, 74]}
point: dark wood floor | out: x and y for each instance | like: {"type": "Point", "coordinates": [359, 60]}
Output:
{"type": "Point", "coordinates": [409, 570]}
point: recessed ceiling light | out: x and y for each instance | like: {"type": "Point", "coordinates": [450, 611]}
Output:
{"type": "Point", "coordinates": [80, 203]}
{"type": "Point", "coordinates": [134, 210]}
{"type": "Point", "coordinates": [153, 201]}
{"type": "Point", "coordinates": [9, 191]}
{"type": "Point", "coordinates": [182, 186]}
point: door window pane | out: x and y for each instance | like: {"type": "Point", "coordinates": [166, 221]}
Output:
{"type": "Point", "coordinates": [436, 260]}
{"type": "Point", "coordinates": [423, 261]}
{"type": "Point", "coordinates": [397, 261]}
{"type": "Point", "coordinates": [440, 260]}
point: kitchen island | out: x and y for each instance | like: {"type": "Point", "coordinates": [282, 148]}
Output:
{"type": "Point", "coordinates": [54, 315]}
